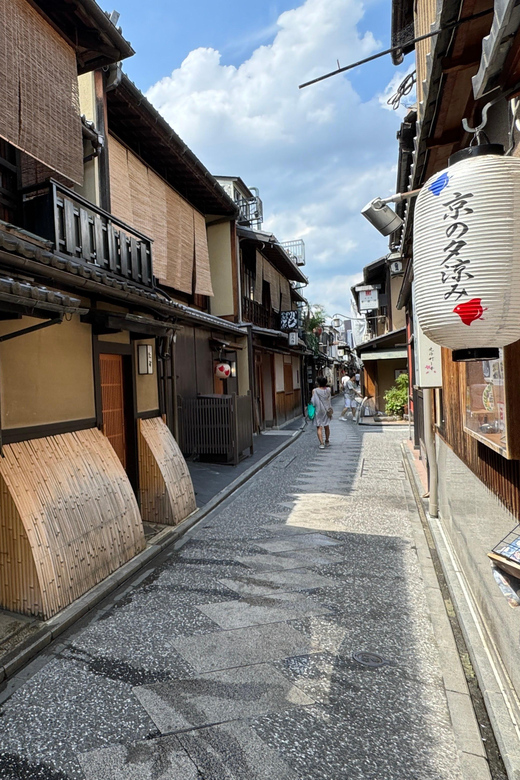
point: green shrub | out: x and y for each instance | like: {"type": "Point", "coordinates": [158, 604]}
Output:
{"type": "Point", "coordinates": [397, 397]}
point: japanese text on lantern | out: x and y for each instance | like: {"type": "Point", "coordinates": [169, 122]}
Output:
{"type": "Point", "coordinates": [454, 271]}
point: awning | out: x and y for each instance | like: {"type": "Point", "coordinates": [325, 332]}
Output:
{"type": "Point", "coordinates": [379, 354]}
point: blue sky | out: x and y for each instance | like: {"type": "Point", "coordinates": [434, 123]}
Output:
{"type": "Point", "coordinates": [226, 75]}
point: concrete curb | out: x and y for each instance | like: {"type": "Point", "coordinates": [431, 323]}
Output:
{"type": "Point", "coordinates": [14, 660]}
{"type": "Point", "coordinates": [496, 689]}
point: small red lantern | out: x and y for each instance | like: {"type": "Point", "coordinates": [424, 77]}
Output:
{"type": "Point", "coordinates": [223, 370]}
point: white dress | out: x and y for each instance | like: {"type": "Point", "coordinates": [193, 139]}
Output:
{"type": "Point", "coordinates": [321, 400]}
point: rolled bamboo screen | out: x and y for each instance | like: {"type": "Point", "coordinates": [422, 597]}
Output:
{"type": "Point", "coordinates": [272, 276]}
{"type": "Point", "coordinates": [286, 294]}
{"type": "Point", "coordinates": [180, 248]}
{"type": "Point", "coordinates": [68, 519]}
{"type": "Point", "coordinates": [158, 197]}
{"type": "Point", "coordinates": [187, 258]}
{"type": "Point", "coordinates": [259, 278]}
{"type": "Point", "coordinates": [140, 195]}
{"type": "Point", "coordinates": [40, 101]}
{"type": "Point", "coordinates": [165, 486]}
{"type": "Point", "coordinates": [121, 202]}
{"type": "Point", "coordinates": [202, 270]}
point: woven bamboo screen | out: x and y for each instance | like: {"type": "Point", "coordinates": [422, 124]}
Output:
{"type": "Point", "coordinates": [140, 195]}
{"type": "Point", "coordinates": [68, 519]}
{"type": "Point", "coordinates": [259, 277]}
{"type": "Point", "coordinates": [158, 197]}
{"type": "Point", "coordinates": [187, 258]}
{"type": "Point", "coordinates": [272, 276]}
{"type": "Point", "coordinates": [286, 294]}
{"type": "Point", "coordinates": [165, 486]}
{"type": "Point", "coordinates": [40, 106]}
{"type": "Point", "coordinates": [180, 248]}
{"type": "Point", "coordinates": [121, 202]}
{"type": "Point", "coordinates": [202, 269]}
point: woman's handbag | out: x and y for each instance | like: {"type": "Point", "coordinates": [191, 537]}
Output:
{"type": "Point", "coordinates": [311, 411]}
{"type": "Point", "coordinates": [330, 412]}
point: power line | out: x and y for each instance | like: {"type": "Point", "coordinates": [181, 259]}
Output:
{"type": "Point", "coordinates": [450, 26]}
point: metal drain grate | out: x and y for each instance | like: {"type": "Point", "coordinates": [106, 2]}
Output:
{"type": "Point", "coordinates": [369, 659]}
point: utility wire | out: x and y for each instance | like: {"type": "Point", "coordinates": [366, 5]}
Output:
{"type": "Point", "coordinates": [450, 26]}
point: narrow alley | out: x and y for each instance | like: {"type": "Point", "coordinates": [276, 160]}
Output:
{"type": "Point", "coordinates": [291, 635]}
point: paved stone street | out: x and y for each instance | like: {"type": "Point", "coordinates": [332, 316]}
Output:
{"type": "Point", "coordinates": [232, 658]}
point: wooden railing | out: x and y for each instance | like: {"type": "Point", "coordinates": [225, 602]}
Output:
{"type": "Point", "coordinates": [80, 230]}
{"type": "Point", "coordinates": [259, 315]}
{"type": "Point", "coordinates": [217, 426]}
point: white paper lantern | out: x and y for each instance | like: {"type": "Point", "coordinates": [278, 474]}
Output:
{"type": "Point", "coordinates": [467, 254]}
{"type": "Point", "coordinates": [223, 370]}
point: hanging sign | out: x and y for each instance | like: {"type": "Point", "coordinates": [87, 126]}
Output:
{"type": "Point", "coordinates": [428, 364]}
{"type": "Point", "coordinates": [368, 300]}
{"type": "Point", "coordinates": [467, 254]}
{"type": "Point", "coordinates": [289, 320]}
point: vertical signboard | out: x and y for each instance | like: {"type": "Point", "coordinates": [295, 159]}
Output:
{"type": "Point", "coordinates": [428, 364]}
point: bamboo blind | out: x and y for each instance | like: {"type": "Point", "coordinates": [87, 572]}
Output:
{"type": "Point", "coordinates": [180, 249]}
{"type": "Point", "coordinates": [259, 278]}
{"type": "Point", "coordinates": [158, 196]}
{"type": "Point", "coordinates": [69, 518]}
{"type": "Point", "coordinates": [187, 258]}
{"type": "Point", "coordinates": [140, 195]}
{"type": "Point", "coordinates": [286, 294]}
{"type": "Point", "coordinates": [272, 276]}
{"type": "Point", "coordinates": [202, 269]}
{"type": "Point", "coordinates": [165, 486]}
{"type": "Point", "coordinates": [40, 106]}
{"type": "Point", "coordinates": [121, 202]}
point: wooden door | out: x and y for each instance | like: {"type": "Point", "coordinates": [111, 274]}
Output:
{"type": "Point", "coordinates": [113, 402]}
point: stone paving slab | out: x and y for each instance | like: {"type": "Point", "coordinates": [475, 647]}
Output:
{"type": "Point", "coordinates": [258, 610]}
{"type": "Point", "coordinates": [228, 694]}
{"type": "Point", "coordinates": [268, 583]}
{"type": "Point", "coordinates": [234, 751]}
{"type": "Point", "coordinates": [295, 560]}
{"type": "Point", "coordinates": [157, 759]}
{"type": "Point", "coordinates": [243, 646]}
{"type": "Point", "coordinates": [298, 542]}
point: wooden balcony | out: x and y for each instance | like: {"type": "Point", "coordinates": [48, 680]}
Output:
{"type": "Point", "coordinates": [80, 230]}
{"type": "Point", "coordinates": [259, 315]}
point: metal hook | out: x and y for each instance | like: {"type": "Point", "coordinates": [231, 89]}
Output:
{"type": "Point", "coordinates": [479, 128]}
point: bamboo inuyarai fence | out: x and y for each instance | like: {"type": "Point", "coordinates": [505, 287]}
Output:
{"type": "Point", "coordinates": [165, 486]}
{"type": "Point", "coordinates": [68, 519]}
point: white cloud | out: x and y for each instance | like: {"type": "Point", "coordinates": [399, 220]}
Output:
{"type": "Point", "coordinates": [317, 154]}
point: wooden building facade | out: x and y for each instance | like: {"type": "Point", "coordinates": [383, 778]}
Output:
{"type": "Point", "coordinates": [470, 71]}
{"type": "Point", "coordinates": [270, 303]}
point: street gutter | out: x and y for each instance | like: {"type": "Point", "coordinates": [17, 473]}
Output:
{"type": "Point", "coordinates": [15, 659]}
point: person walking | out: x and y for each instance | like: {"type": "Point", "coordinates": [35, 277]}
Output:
{"type": "Point", "coordinates": [321, 396]}
{"type": "Point", "coordinates": [352, 396]}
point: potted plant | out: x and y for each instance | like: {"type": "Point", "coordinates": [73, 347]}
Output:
{"type": "Point", "coordinates": [396, 399]}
